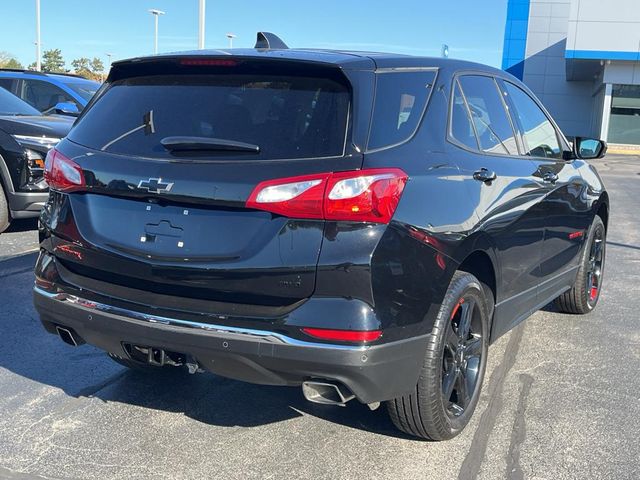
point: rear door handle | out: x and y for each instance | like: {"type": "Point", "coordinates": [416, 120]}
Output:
{"type": "Point", "coordinates": [484, 175]}
{"type": "Point", "coordinates": [550, 177]}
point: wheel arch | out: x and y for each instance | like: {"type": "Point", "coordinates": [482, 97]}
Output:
{"type": "Point", "coordinates": [477, 257]}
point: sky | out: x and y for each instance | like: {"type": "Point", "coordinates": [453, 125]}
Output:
{"type": "Point", "coordinates": [473, 29]}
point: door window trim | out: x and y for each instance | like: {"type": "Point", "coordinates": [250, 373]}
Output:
{"type": "Point", "coordinates": [452, 140]}
{"type": "Point", "coordinates": [562, 141]}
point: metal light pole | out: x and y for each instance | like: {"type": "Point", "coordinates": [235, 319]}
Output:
{"type": "Point", "coordinates": [201, 25]}
{"type": "Point", "coordinates": [38, 59]}
{"type": "Point", "coordinates": [156, 13]}
{"type": "Point", "coordinates": [109, 55]}
{"type": "Point", "coordinates": [231, 36]}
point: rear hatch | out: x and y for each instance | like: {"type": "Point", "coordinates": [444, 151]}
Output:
{"type": "Point", "coordinates": [171, 151]}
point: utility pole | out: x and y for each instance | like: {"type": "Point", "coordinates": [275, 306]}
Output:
{"type": "Point", "coordinates": [201, 24]}
{"type": "Point", "coordinates": [38, 56]}
{"type": "Point", "coordinates": [156, 13]}
{"type": "Point", "coordinates": [231, 36]}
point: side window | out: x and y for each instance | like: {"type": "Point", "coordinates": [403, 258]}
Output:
{"type": "Point", "coordinates": [7, 84]}
{"type": "Point", "coordinates": [400, 101]}
{"type": "Point", "coordinates": [461, 127]}
{"type": "Point", "coordinates": [43, 95]}
{"type": "Point", "coordinates": [540, 136]}
{"type": "Point", "coordinates": [493, 127]}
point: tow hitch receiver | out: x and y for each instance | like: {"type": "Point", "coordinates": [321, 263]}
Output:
{"type": "Point", "coordinates": [154, 356]}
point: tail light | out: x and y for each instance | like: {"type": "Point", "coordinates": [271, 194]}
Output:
{"type": "Point", "coordinates": [370, 195]}
{"type": "Point", "coordinates": [344, 335]}
{"type": "Point", "coordinates": [61, 173]}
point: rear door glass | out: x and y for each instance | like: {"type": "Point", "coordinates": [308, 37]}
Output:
{"type": "Point", "coordinates": [461, 126]}
{"type": "Point", "coordinates": [288, 117]}
{"type": "Point", "coordinates": [401, 98]}
{"type": "Point", "coordinates": [490, 118]}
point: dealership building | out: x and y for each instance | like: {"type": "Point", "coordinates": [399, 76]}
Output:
{"type": "Point", "coordinates": [582, 59]}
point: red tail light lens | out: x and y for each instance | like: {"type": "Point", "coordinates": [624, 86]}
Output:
{"type": "Point", "coordinates": [361, 196]}
{"type": "Point", "coordinates": [344, 335]}
{"type": "Point", "coordinates": [62, 173]}
{"type": "Point", "coordinates": [298, 197]}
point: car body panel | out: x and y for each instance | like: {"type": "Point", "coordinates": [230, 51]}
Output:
{"type": "Point", "coordinates": [251, 269]}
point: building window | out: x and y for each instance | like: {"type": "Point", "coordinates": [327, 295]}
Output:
{"type": "Point", "coordinates": [624, 124]}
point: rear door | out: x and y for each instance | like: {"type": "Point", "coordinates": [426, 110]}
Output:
{"type": "Point", "coordinates": [502, 185]}
{"type": "Point", "coordinates": [565, 201]}
{"type": "Point", "coordinates": [168, 215]}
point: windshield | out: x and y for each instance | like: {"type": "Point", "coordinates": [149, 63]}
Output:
{"type": "Point", "coordinates": [85, 88]}
{"type": "Point", "coordinates": [12, 105]}
{"type": "Point", "coordinates": [286, 117]}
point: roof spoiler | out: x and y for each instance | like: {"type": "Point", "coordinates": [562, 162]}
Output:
{"type": "Point", "coordinates": [268, 40]}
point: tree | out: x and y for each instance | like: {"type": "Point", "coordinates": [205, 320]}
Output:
{"type": "Point", "coordinates": [97, 66]}
{"type": "Point", "coordinates": [52, 61]}
{"type": "Point", "coordinates": [9, 61]}
{"type": "Point", "coordinates": [92, 69]}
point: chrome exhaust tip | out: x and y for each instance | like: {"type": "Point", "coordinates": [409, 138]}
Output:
{"type": "Point", "coordinates": [69, 336]}
{"type": "Point", "coordinates": [326, 393]}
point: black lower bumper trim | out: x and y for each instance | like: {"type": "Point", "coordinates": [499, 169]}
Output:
{"type": "Point", "coordinates": [372, 373]}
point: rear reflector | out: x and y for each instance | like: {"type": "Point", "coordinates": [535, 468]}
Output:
{"type": "Point", "coordinates": [362, 196]}
{"type": "Point", "coordinates": [344, 335]}
{"type": "Point", "coordinates": [61, 173]}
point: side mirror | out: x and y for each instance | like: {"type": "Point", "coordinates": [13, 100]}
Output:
{"type": "Point", "coordinates": [67, 108]}
{"type": "Point", "coordinates": [589, 148]}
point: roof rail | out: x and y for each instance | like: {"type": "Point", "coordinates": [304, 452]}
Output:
{"type": "Point", "coordinates": [36, 72]}
{"type": "Point", "coordinates": [268, 40]}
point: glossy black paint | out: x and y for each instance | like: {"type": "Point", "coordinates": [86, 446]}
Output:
{"type": "Point", "coordinates": [256, 270]}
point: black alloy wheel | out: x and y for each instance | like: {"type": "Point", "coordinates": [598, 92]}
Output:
{"type": "Point", "coordinates": [585, 293]}
{"type": "Point", "coordinates": [462, 356]}
{"type": "Point", "coordinates": [448, 388]}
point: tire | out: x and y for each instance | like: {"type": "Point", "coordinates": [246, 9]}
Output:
{"type": "Point", "coordinates": [5, 218]}
{"type": "Point", "coordinates": [425, 412]}
{"type": "Point", "coordinates": [584, 295]}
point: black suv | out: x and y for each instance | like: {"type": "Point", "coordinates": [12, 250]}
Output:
{"type": "Point", "coordinates": [362, 225]}
{"type": "Point", "coordinates": [26, 136]}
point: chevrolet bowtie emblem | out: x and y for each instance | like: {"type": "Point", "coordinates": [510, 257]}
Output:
{"type": "Point", "coordinates": [155, 185]}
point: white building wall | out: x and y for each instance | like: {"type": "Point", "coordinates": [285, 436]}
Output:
{"type": "Point", "coordinates": [605, 26]}
{"type": "Point", "coordinates": [570, 103]}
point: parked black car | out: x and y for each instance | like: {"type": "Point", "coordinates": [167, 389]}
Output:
{"type": "Point", "coordinates": [26, 136]}
{"type": "Point", "coordinates": [363, 225]}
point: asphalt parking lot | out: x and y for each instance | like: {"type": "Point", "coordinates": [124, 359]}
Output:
{"type": "Point", "coordinates": [561, 399]}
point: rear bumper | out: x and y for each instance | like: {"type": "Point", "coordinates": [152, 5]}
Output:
{"type": "Point", "coordinates": [26, 205]}
{"type": "Point", "coordinates": [373, 373]}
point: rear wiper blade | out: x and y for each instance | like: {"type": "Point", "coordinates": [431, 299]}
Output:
{"type": "Point", "coordinates": [203, 144]}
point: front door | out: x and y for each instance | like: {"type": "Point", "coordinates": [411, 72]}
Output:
{"type": "Point", "coordinates": [565, 201]}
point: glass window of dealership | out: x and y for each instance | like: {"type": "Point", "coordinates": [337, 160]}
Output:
{"type": "Point", "coordinates": [582, 59]}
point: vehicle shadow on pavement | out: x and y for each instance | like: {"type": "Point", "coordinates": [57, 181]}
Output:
{"type": "Point", "coordinates": [223, 402]}
{"type": "Point", "coordinates": [23, 225]}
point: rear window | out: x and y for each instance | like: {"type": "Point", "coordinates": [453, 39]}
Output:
{"type": "Point", "coordinates": [287, 117]}
{"type": "Point", "coordinates": [401, 98]}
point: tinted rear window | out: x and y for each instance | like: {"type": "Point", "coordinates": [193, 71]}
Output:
{"type": "Point", "coordinates": [286, 116]}
{"type": "Point", "coordinates": [401, 98]}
